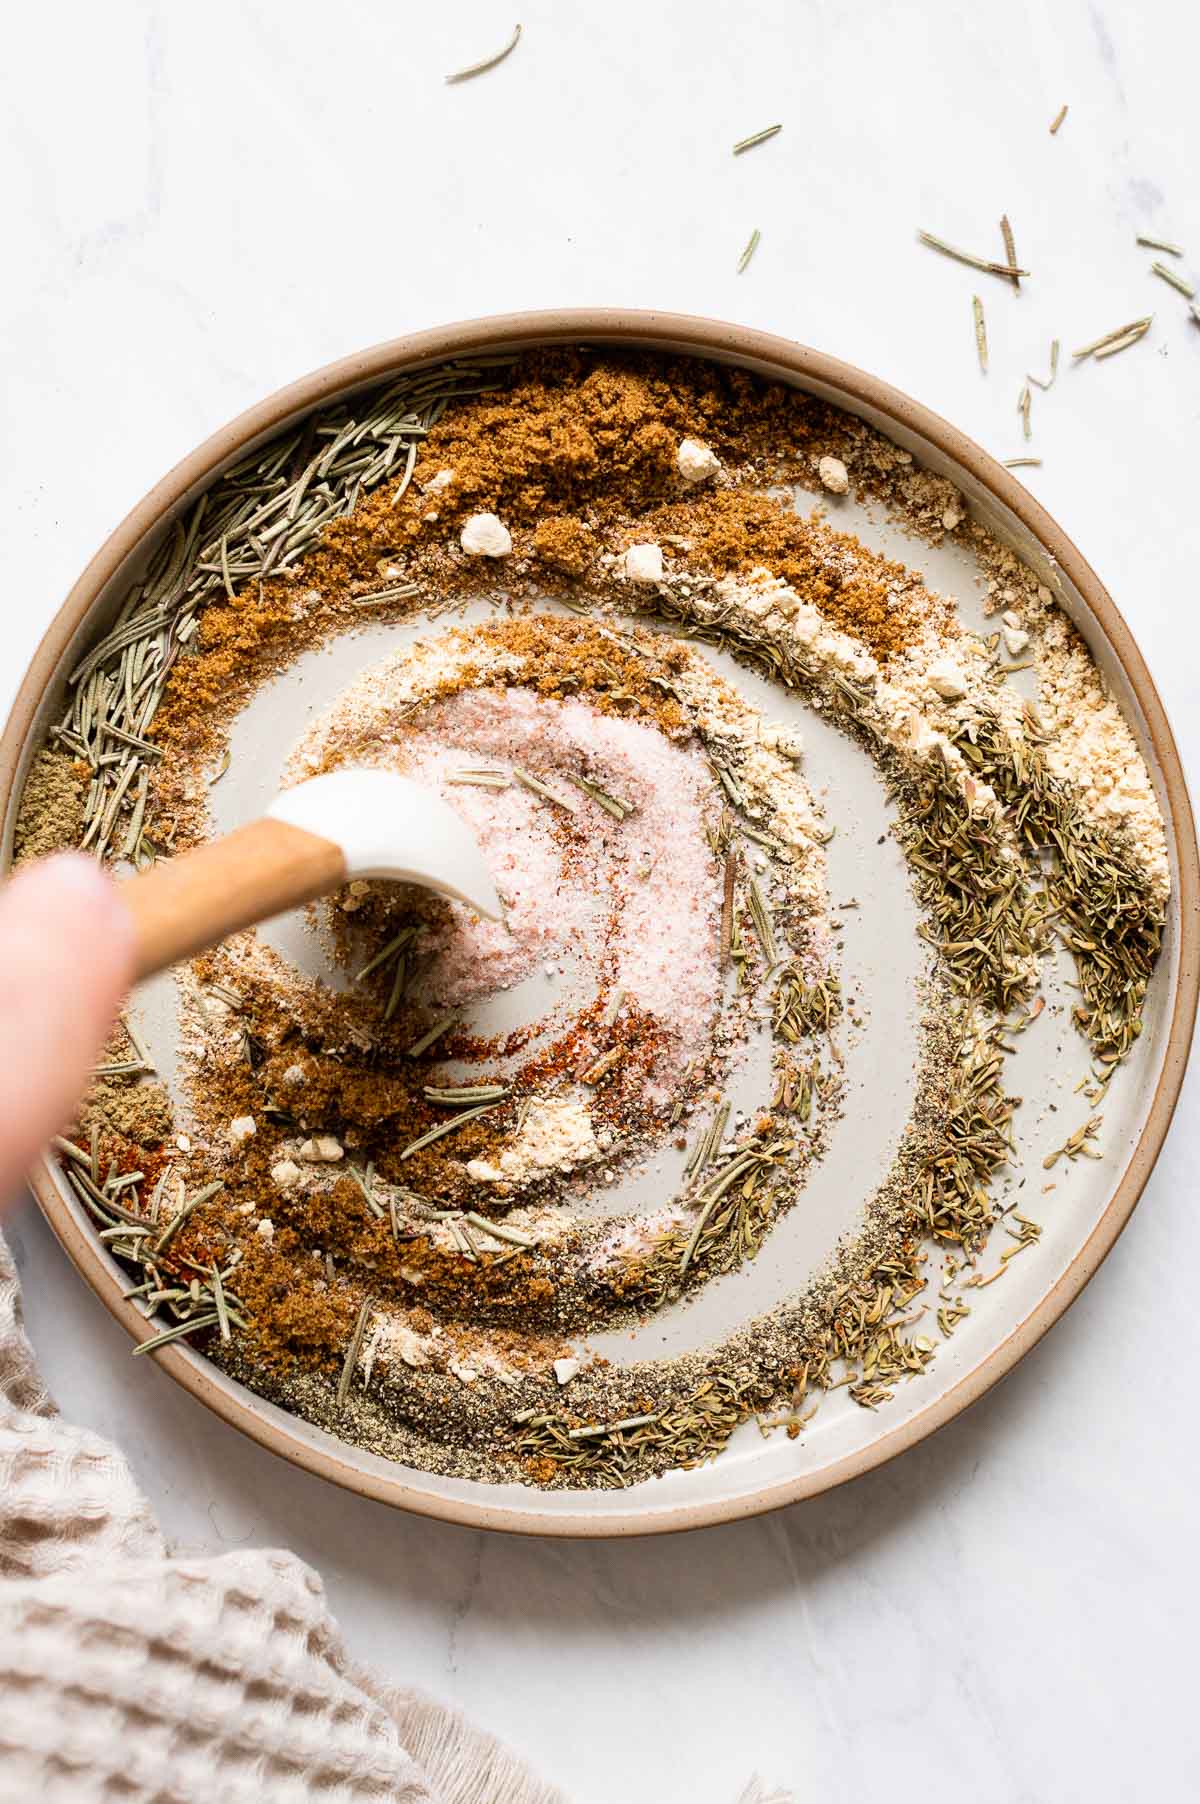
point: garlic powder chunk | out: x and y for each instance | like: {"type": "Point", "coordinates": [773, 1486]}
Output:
{"type": "Point", "coordinates": [323, 1149]}
{"type": "Point", "coordinates": [644, 564]}
{"type": "Point", "coordinates": [947, 680]}
{"type": "Point", "coordinates": [484, 535]}
{"type": "Point", "coordinates": [834, 475]}
{"type": "Point", "coordinates": [696, 461]}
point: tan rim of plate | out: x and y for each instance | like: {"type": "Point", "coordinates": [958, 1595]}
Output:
{"type": "Point", "coordinates": [805, 368]}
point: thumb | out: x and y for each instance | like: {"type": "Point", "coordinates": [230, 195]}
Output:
{"type": "Point", "coordinates": [66, 959]}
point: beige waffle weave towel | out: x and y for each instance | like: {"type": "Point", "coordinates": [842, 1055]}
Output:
{"type": "Point", "coordinates": [134, 1678]}
{"type": "Point", "coordinates": [130, 1677]}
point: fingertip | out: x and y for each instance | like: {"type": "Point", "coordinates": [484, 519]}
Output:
{"type": "Point", "coordinates": [66, 960]}
{"type": "Point", "coordinates": [73, 889]}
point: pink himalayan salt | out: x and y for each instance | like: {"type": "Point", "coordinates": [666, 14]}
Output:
{"type": "Point", "coordinates": [646, 905]}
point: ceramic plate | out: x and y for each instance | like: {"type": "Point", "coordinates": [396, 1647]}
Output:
{"type": "Point", "coordinates": [1088, 1207]}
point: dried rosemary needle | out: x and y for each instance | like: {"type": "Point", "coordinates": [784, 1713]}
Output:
{"type": "Point", "coordinates": [980, 332]}
{"type": "Point", "coordinates": [1116, 340]}
{"type": "Point", "coordinates": [489, 62]}
{"type": "Point", "coordinates": [1010, 251]}
{"type": "Point", "coordinates": [751, 247]}
{"type": "Point", "coordinates": [1176, 280]}
{"type": "Point", "coordinates": [1010, 271]}
{"type": "Point", "coordinates": [743, 144]}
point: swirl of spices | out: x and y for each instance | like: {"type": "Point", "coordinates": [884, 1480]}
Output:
{"type": "Point", "coordinates": [583, 457]}
{"type": "Point", "coordinates": [656, 997]}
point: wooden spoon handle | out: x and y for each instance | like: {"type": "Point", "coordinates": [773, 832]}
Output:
{"type": "Point", "coordinates": [186, 904]}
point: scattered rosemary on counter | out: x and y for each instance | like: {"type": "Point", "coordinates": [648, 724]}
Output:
{"type": "Point", "coordinates": [1117, 340]}
{"type": "Point", "coordinates": [1048, 383]}
{"type": "Point", "coordinates": [981, 344]}
{"type": "Point", "coordinates": [1010, 252]}
{"type": "Point", "coordinates": [1174, 278]}
{"type": "Point", "coordinates": [752, 245]}
{"type": "Point", "coordinates": [488, 62]}
{"type": "Point", "coordinates": [743, 144]}
{"type": "Point", "coordinates": [1010, 271]}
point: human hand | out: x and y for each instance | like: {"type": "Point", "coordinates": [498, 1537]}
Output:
{"type": "Point", "coordinates": [66, 959]}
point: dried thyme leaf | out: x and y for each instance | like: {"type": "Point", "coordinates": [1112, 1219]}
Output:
{"type": "Point", "coordinates": [489, 62]}
{"type": "Point", "coordinates": [799, 1008]}
{"type": "Point", "coordinates": [1076, 1144]}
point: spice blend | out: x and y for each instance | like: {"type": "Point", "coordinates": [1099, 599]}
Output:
{"type": "Point", "coordinates": [404, 1225]}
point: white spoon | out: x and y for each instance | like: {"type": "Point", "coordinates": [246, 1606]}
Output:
{"type": "Point", "coordinates": [312, 839]}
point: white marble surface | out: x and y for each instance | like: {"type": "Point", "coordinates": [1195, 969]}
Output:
{"type": "Point", "coordinates": [1009, 1608]}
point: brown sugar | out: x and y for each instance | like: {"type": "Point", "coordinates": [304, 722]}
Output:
{"type": "Point", "coordinates": [578, 457]}
{"type": "Point", "coordinates": [565, 543]}
{"type": "Point", "coordinates": [871, 597]}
